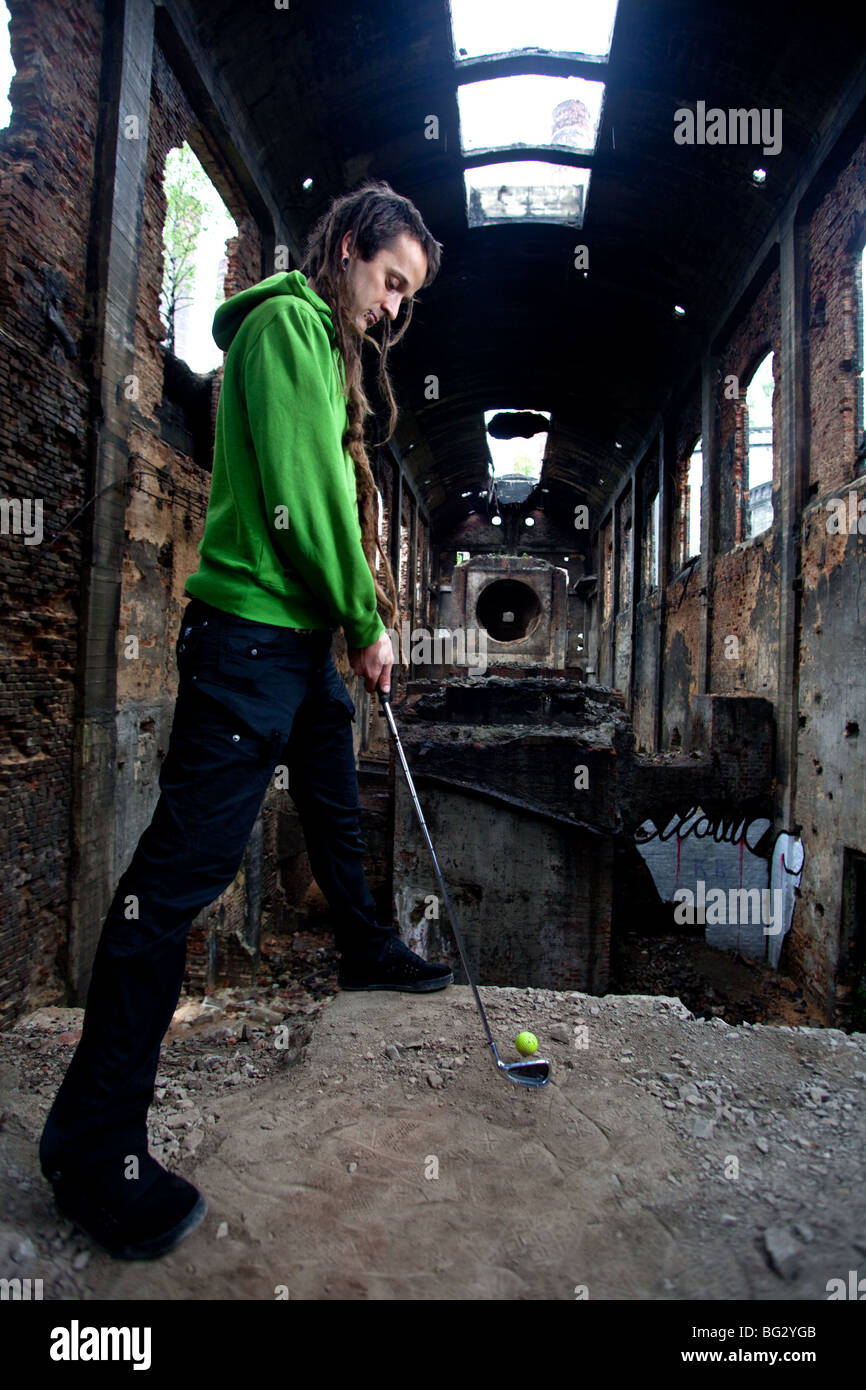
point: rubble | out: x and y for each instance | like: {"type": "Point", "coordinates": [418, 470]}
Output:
{"type": "Point", "coordinates": [707, 1148]}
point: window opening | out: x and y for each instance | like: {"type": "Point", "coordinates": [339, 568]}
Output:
{"type": "Point", "coordinates": [548, 26]}
{"type": "Point", "coordinates": [759, 404]}
{"type": "Point", "coordinates": [197, 225]}
{"type": "Point", "coordinates": [695, 484]}
{"type": "Point", "coordinates": [7, 66]}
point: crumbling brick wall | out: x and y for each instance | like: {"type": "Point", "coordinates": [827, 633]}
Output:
{"type": "Point", "coordinates": [831, 763]}
{"type": "Point", "coordinates": [744, 577]}
{"type": "Point", "coordinates": [682, 618]}
{"type": "Point", "coordinates": [46, 178]}
{"type": "Point", "coordinates": [746, 574]}
{"type": "Point", "coordinates": [47, 440]}
{"type": "Point", "coordinates": [836, 234]}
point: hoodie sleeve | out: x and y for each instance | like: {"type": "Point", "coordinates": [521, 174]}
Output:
{"type": "Point", "coordinates": [297, 432]}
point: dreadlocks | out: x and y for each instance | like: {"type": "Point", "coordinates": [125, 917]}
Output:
{"type": "Point", "coordinates": [375, 215]}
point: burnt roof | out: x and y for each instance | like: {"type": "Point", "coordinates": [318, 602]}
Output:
{"type": "Point", "coordinates": [341, 92]}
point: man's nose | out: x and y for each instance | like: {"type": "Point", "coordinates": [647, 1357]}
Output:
{"type": "Point", "coordinates": [391, 305]}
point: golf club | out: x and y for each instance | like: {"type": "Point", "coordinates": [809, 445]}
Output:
{"type": "Point", "coordinates": [535, 1073]}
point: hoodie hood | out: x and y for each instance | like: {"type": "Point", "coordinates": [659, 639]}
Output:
{"type": "Point", "coordinates": [230, 315]}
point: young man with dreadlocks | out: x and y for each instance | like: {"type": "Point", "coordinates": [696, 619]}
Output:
{"type": "Point", "coordinates": [289, 554]}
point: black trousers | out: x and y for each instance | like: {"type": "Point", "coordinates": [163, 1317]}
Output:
{"type": "Point", "coordinates": [252, 697]}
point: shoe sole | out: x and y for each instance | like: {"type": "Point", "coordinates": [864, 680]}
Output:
{"type": "Point", "coordinates": [422, 987]}
{"type": "Point", "coordinates": [143, 1249]}
{"type": "Point", "coordinates": [152, 1249]}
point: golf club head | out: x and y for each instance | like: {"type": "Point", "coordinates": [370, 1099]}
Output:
{"type": "Point", "coordinates": [535, 1073]}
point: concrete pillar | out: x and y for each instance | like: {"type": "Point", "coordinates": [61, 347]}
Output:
{"type": "Point", "coordinates": [637, 525]}
{"type": "Point", "coordinates": [396, 520]}
{"type": "Point", "coordinates": [114, 258]}
{"type": "Point", "coordinates": [794, 471]}
{"type": "Point", "coordinates": [411, 587]}
{"type": "Point", "coordinates": [667, 495]}
{"type": "Point", "coordinates": [614, 593]}
{"type": "Point", "coordinates": [710, 448]}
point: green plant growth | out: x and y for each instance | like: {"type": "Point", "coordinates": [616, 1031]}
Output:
{"type": "Point", "coordinates": [192, 206]}
{"type": "Point", "coordinates": [525, 467]}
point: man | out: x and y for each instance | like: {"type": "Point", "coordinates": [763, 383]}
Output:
{"type": "Point", "coordinates": [289, 553]}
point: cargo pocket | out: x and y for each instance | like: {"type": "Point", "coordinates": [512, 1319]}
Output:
{"type": "Point", "coordinates": [257, 678]}
{"type": "Point", "coordinates": [240, 659]}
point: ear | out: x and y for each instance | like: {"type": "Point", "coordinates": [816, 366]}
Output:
{"type": "Point", "coordinates": [346, 245]}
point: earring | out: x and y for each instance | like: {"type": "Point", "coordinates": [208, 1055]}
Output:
{"type": "Point", "coordinates": [344, 262]}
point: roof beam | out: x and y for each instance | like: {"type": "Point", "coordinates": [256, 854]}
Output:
{"type": "Point", "coordinates": [526, 62]}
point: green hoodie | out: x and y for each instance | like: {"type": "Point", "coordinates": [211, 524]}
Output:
{"type": "Point", "coordinates": [282, 536]}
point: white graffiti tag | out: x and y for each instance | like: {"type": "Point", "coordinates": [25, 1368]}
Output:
{"type": "Point", "coordinates": [712, 869]}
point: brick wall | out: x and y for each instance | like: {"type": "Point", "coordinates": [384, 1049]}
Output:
{"type": "Point", "coordinates": [746, 573]}
{"type": "Point", "coordinates": [682, 598]}
{"type": "Point", "coordinates": [47, 201]}
{"type": "Point", "coordinates": [46, 174]}
{"type": "Point", "coordinates": [831, 761]}
{"type": "Point", "coordinates": [835, 240]}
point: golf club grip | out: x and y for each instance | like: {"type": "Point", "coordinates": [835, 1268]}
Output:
{"type": "Point", "coordinates": [385, 700]}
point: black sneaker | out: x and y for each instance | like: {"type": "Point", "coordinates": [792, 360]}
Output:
{"type": "Point", "coordinates": [399, 968]}
{"type": "Point", "coordinates": [143, 1218]}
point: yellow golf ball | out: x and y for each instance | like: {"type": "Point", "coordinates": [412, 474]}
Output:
{"type": "Point", "coordinates": [526, 1044]}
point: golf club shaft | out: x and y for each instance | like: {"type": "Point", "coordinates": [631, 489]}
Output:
{"type": "Point", "coordinates": [386, 704]}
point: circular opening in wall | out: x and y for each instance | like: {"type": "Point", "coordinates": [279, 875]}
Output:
{"type": "Point", "coordinates": [508, 610]}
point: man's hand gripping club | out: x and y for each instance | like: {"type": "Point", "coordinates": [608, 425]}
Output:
{"type": "Point", "coordinates": [374, 664]}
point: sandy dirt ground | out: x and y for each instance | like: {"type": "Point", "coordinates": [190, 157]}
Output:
{"type": "Point", "coordinates": [366, 1148]}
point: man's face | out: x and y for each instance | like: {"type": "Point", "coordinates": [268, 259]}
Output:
{"type": "Point", "coordinates": [378, 287]}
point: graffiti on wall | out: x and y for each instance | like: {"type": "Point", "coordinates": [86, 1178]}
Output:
{"type": "Point", "coordinates": [711, 870]}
